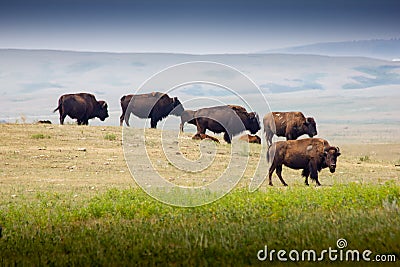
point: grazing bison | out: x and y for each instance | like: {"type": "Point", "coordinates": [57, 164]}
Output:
{"type": "Point", "coordinates": [187, 116]}
{"type": "Point", "coordinates": [230, 120]}
{"type": "Point", "coordinates": [288, 124]}
{"type": "Point", "coordinates": [251, 138]}
{"type": "Point", "coordinates": [82, 106]}
{"type": "Point", "coordinates": [155, 106]}
{"type": "Point", "coordinates": [310, 154]}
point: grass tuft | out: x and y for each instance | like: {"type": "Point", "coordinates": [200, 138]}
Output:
{"type": "Point", "coordinates": [364, 158]}
{"type": "Point", "coordinates": [110, 137]}
{"type": "Point", "coordinates": [40, 136]}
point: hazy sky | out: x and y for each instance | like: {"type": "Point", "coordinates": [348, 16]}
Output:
{"type": "Point", "coordinates": [185, 26]}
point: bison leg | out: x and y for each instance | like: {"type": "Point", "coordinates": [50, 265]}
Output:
{"type": "Point", "coordinates": [306, 173]}
{"type": "Point", "coordinates": [200, 129]}
{"type": "Point", "coordinates": [270, 172]}
{"type": "Point", "coordinates": [268, 137]}
{"type": "Point", "coordinates": [204, 136]}
{"type": "Point", "coordinates": [279, 173]}
{"type": "Point", "coordinates": [313, 172]}
{"type": "Point", "coordinates": [181, 127]}
{"type": "Point", "coordinates": [127, 115]}
{"type": "Point", "coordinates": [153, 123]}
{"type": "Point", "coordinates": [227, 138]}
{"type": "Point", "coordinates": [62, 118]}
{"type": "Point", "coordinates": [83, 122]}
{"type": "Point", "coordinates": [121, 119]}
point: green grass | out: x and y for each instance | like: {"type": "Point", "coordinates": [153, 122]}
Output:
{"type": "Point", "coordinates": [40, 136]}
{"type": "Point", "coordinates": [364, 158]}
{"type": "Point", "coordinates": [110, 136]}
{"type": "Point", "coordinates": [126, 227]}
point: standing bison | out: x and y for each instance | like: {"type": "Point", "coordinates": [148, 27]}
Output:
{"type": "Point", "coordinates": [82, 106]}
{"type": "Point", "coordinates": [230, 120]}
{"type": "Point", "coordinates": [288, 124]}
{"type": "Point", "coordinates": [155, 106]}
{"type": "Point", "coordinates": [310, 154]}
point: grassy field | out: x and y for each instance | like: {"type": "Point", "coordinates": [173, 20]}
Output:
{"type": "Point", "coordinates": [67, 198]}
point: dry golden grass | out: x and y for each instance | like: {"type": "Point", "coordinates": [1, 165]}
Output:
{"type": "Point", "coordinates": [81, 159]}
{"type": "Point", "coordinates": [73, 159]}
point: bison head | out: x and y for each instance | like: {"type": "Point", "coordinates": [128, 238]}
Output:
{"type": "Point", "coordinates": [177, 107]}
{"type": "Point", "coordinates": [253, 123]}
{"type": "Point", "coordinates": [311, 127]}
{"type": "Point", "coordinates": [330, 157]}
{"type": "Point", "coordinates": [102, 112]}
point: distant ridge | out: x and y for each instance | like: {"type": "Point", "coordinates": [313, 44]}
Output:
{"type": "Point", "coordinates": [357, 89]}
{"type": "Point", "coordinates": [377, 48]}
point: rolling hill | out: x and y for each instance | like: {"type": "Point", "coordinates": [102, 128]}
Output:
{"type": "Point", "coordinates": [333, 89]}
{"type": "Point", "coordinates": [382, 49]}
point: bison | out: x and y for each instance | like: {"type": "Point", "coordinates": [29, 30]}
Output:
{"type": "Point", "coordinates": [288, 124]}
{"type": "Point", "coordinates": [310, 154]}
{"type": "Point", "coordinates": [81, 106]}
{"type": "Point", "coordinates": [187, 116]}
{"type": "Point", "coordinates": [204, 136]}
{"type": "Point", "coordinates": [229, 119]}
{"type": "Point", "coordinates": [44, 122]}
{"type": "Point", "coordinates": [155, 106]}
{"type": "Point", "coordinates": [251, 138]}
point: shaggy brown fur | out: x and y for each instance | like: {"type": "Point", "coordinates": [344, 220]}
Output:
{"type": "Point", "coordinates": [310, 154]}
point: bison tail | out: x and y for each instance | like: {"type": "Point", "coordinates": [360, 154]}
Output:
{"type": "Point", "coordinates": [59, 106]}
{"type": "Point", "coordinates": [60, 101]}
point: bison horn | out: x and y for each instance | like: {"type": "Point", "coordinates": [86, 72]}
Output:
{"type": "Point", "coordinates": [337, 149]}
{"type": "Point", "coordinates": [104, 105]}
{"type": "Point", "coordinates": [309, 120]}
